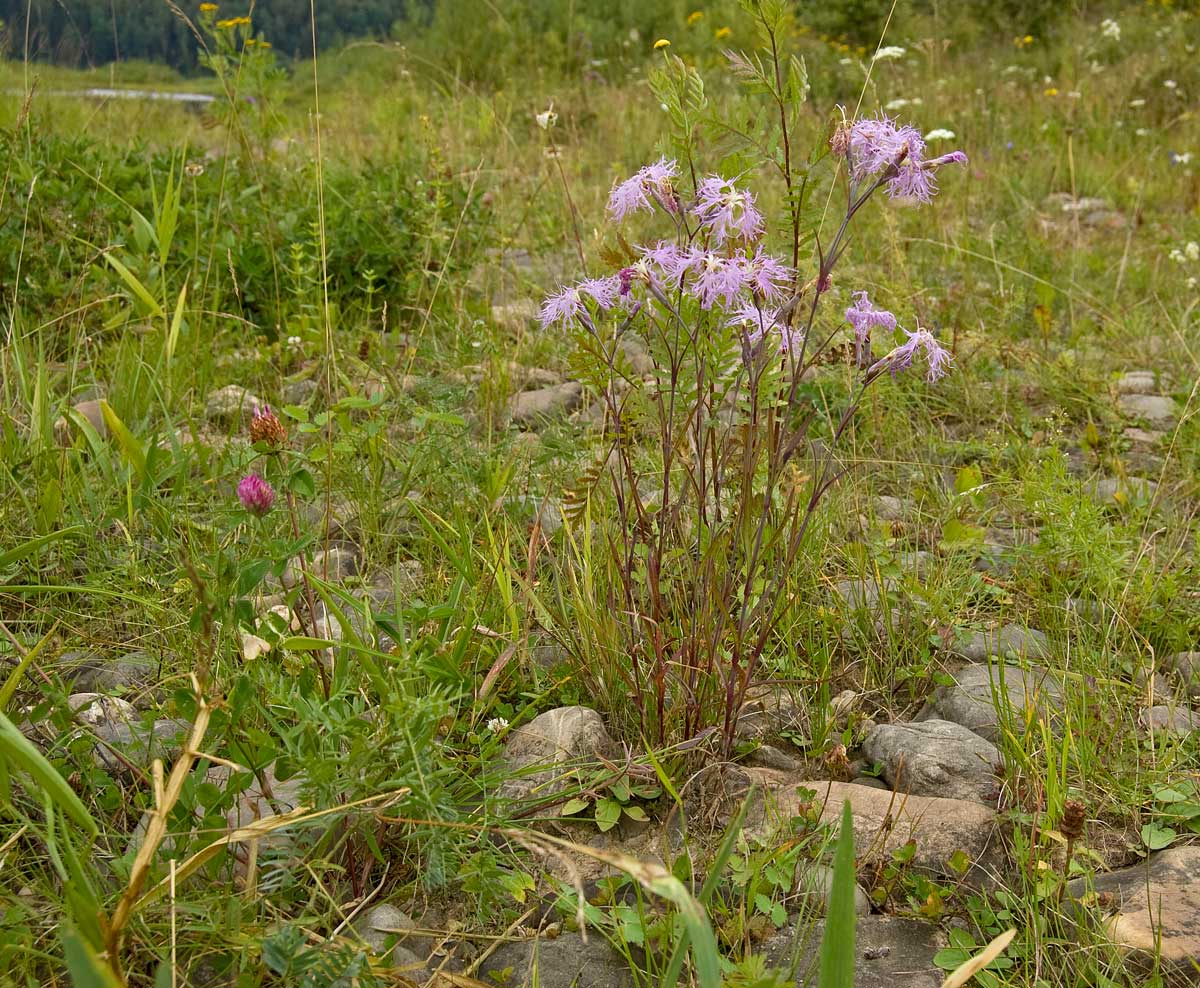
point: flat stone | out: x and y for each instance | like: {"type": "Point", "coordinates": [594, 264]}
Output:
{"type": "Point", "coordinates": [95, 709]}
{"type": "Point", "coordinates": [298, 392]}
{"type": "Point", "coordinates": [935, 758]}
{"type": "Point", "coordinates": [1143, 437]}
{"type": "Point", "coordinates": [1152, 910]}
{"type": "Point", "coordinates": [516, 316]}
{"type": "Point", "coordinates": [562, 962]}
{"type": "Point", "coordinates": [335, 564]}
{"type": "Point", "coordinates": [1106, 489]}
{"type": "Point", "coordinates": [768, 756]}
{"type": "Point", "coordinates": [549, 746]}
{"type": "Point", "coordinates": [1169, 719]}
{"type": "Point", "coordinates": [1011, 640]}
{"type": "Point", "coordinates": [884, 821]}
{"type": "Point", "coordinates": [533, 407]}
{"type": "Point", "coordinates": [1030, 694]}
{"type": "Point", "coordinates": [231, 405]}
{"type": "Point", "coordinates": [890, 952]}
{"type": "Point", "coordinates": [1138, 382]}
{"type": "Point", "coordinates": [1160, 411]}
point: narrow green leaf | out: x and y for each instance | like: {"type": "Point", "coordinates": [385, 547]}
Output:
{"type": "Point", "coordinates": [176, 324]}
{"type": "Point", "coordinates": [10, 684]}
{"type": "Point", "coordinates": [20, 753]}
{"type": "Point", "coordinates": [303, 643]}
{"type": "Point", "coordinates": [138, 289]}
{"type": "Point", "coordinates": [129, 444]}
{"type": "Point", "coordinates": [33, 545]}
{"type": "Point", "coordinates": [837, 945]}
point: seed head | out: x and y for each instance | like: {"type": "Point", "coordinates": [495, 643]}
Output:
{"type": "Point", "coordinates": [265, 427]}
{"type": "Point", "coordinates": [1073, 818]}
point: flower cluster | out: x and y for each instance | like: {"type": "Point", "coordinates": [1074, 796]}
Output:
{"type": "Point", "coordinates": [878, 146]}
{"type": "Point", "coordinates": [863, 315]}
{"type": "Point", "coordinates": [257, 496]}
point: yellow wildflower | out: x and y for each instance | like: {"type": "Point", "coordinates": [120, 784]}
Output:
{"type": "Point", "coordinates": [694, 16]}
{"type": "Point", "coordinates": [661, 43]}
{"type": "Point", "coordinates": [207, 8]}
{"type": "Point", "coordinates": [234, 22]}
{"type": "Point", "coordinates": [722, 33]}
{"type": "Point", "coordinates": [264, 44]}
{"type": "Point", "coordinates": [1052, 91]}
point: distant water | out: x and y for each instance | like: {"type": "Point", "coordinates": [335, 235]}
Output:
{"type": "Point", "coordinates": [100, 92]}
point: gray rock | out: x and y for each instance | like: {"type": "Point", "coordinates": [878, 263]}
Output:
{"type": "Point", "coordinates": [890, 508]}
{"type": "Point", "coordinates": [334, 565]}
{"type": "Point", "coordinates": [1151, 912]}
{"type": "Point", "coordinates": [298, 392]}
{"type": "Point", "coordinates": [230, 406]}
{"type": "Point", "coordinates": [1011, 640]}
{"type": "Point", "coordinates": [96, 709]}
{"type": "Point", "coordinates": [1160, 411]}
{"type": "Point", "coordinates": [1108, 489]}
{"type": "Point", "coordinates": [1138, 382]}
{"type": "Point", "coordinates": [768, 756]}
{"type": "Point", "coordinates": [533, 407]}
{"type": "Point", "coordinates": [540, 754]}
{"type": "Point", "coordinates": [563, 962]}
{"type": "Point", "coordinates": [971, 701]}
{"type": "Point", "coordinates": [935, 758]}
{"type": "Point", "coordinates": [1143, 438]}
{"type": "Point", "coordinates": [517, 316]}
{"type": "Point", "coordinates": [640, 361]}
{"type": "Point", "coordinates": [1185, 667]}
{"type": "Point", "coordinates": [91, 412]}
{"type": "Point", "coordinates": [889, 952]}
{"type": "Point", "coordinates": [131, 673]}
{"type": "Point", "coordinates": [768, 713]}
{"type": "Point", "coordinates": [139, 744]}
{"type": "Point", "coordinates": [884, 821]}
{"type": "Point", "coordinates": [814, 884]}
{"type": "Point", "coordinates": [1169, 719]}
{"type": "Point", "coordinates": [385, 925]}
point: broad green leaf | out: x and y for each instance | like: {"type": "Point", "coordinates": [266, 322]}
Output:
{"type": "Point", "coordinates": [608, 812]}
{"type": "Point", "coordinates": [86, 968]}
{"type": "Point", "coordinates": [573, 806]}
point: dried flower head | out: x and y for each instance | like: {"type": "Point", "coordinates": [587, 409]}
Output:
{"type": "Point", "coordinates": [1074, 816]}
{"type": "Point", "coordinates": [256, 495]}
{"type": "Point", "coordinates": [265, 427]}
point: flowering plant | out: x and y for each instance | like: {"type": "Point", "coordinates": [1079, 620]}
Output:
{"type": "Point", "coordinates": [712, 515]}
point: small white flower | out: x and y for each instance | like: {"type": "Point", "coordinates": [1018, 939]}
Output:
{"type": "Point", "coordinates": [1074, 94]}
{"type": "Point", "coordinates": [1192, 251]}
{"type": "Point", "coordinates": [1110, 29]}
{"type": "Point", "coordinates": [1176, 255]}
{"type": "Point", "coordinates": [896, 104]}
{"type": "Point", "coordinates": [1142, 132]}
{"type": "Point", "coordinates": [547, 118]}
{"type": "Point", "coordinates": [497, 724]}
{"type": "Point", "coordinates": [293, 342]}
{"type": "Point", "coordinates": [940, 134]}
{"type": "Point", "coordinates": [1137, 102]}
{"type": "Point", "coordinates": [1184, 159]}
{"type": "Point", "coordinates": [1170, 84]}
{"type": "Point", "coordinates": [845, 61]}
{"type": "Point", "coordinates": [889, 52]}
{"type": "Point", "coordinates": [1192, 283]}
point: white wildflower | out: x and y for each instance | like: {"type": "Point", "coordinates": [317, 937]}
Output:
{"type": "Point", "coordinates": [1192, 251]}
{"type": "Point", "coordinates": [1110, 29]}
{"type": "Point", "coordinates": [1137, 102]}
{"type": "Point", "coordinates": [1170, 84]}
{"type": "Point", "coordinates": [1142, 132]}
{"type": "Point", "coordinates": [940, 134]}
{"type": "Point", "coordinates": [896, 104]}
{"type": "Point", "coordinates": [547, 118]}
{"type": "Point", "coordinates": [1182, 159]}
{"type": "Point", "coordinates": [888, 52]}
{"type": "Point", "coordinates": [497, 724]}
{"type": "Point", "coordinates": [1192, 283]}
{"type": "Point", "coordinates": [294, 342]}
